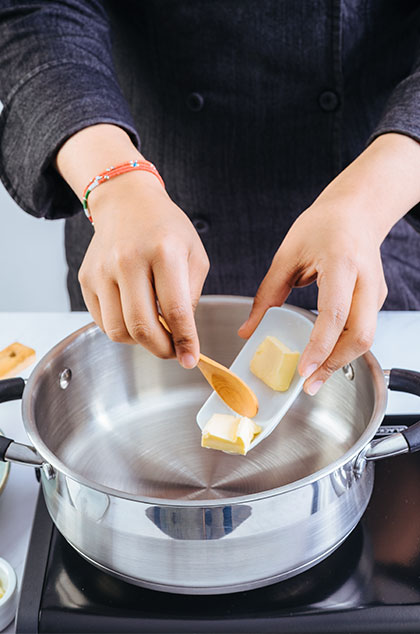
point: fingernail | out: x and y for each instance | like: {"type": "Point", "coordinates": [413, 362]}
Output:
{"type": "Point", "coordinates": [309, 370]}
{"type": "Point", "coordinates": [243, 325]}
{"type": "Point", "coordinates": [314, 387]}
{"type": "Point", "coordinates": [188, 361]}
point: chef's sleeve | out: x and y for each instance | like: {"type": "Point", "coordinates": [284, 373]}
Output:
{"type": "Point", "coordinates": [56, 77]}
{"type": "Point", "coordinates": [402, 114]}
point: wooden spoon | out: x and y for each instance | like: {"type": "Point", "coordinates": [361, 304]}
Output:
{"type": "Point", "coordinates": [231, 389]}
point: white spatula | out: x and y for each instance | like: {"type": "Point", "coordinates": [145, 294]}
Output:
{"type": "Point", "coordinates": [293, 329]}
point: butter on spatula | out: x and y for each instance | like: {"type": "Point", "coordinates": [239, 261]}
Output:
{"type": "Point", "coordinates": [232, 434]}
{"type": "Point", "coordinates": [275, 364]}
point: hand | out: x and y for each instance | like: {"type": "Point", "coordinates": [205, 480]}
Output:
{"type": "Point", "coordinates": [336, 242]}
{"type": "Point", "coordinates": [144, 249]}
{"type": "Point", "coordinates": [345, 261]}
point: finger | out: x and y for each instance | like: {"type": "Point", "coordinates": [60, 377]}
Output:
{"type": "Point", "coordinates": [92, 304]}
{"type": "Point", "coordinates": [138, 302]}
{"type": "Point", "coordinates": [198, 269]}
{"type": "Point", "coordinates": [336, 285]}
{"type": "Point", "coordinates": [89, 296]}
{"type": "Point", "coordinates": [273, 291]}
{"type": "Point", "coordinates": [357, 337]}
{"type": "Point", "coordinates": [173, 291]}
{"type": "Point", "coordinates": [112, 314]}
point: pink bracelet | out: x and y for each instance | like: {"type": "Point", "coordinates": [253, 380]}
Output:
{"type": "Point", "coordinates": [110, 172]}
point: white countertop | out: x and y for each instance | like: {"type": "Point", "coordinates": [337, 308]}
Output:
{"type": "Point", "coordinates": [397, 344]}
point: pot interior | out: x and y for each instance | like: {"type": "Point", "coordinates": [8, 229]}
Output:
{"type": "Point", "coordinates": [126, 420]}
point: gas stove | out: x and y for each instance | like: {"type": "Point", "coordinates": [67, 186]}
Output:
{"type": "Point", "coordinates": [370, 584]}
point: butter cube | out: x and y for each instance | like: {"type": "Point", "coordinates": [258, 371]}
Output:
{"type": "Point", "coordinates": [274, 364]}
{"type": "Point", "coordinates": [233, 434]}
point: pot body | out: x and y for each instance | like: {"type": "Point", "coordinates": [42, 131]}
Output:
{"type": "Point", "coordinates": [209, 549]}
{"type": "Point", "coordinates": [135, 494]}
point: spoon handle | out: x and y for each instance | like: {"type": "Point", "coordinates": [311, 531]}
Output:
{"type": "Point", "coordinates": [165, 325]}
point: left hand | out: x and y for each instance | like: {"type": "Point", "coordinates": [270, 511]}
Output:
{"type": "Point", "coordinates": [329, 245]}
{"type": "Point", "coordinates": [336, 242]}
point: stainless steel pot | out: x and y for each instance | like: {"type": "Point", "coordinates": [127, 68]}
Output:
{"type": "Point", "coordinates": [128, 485]}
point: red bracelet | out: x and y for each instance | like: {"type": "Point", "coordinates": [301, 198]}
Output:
{"type": "Point", "coordinates": [131, 166]}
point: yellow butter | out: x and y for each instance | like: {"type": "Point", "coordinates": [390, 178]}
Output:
{"type": "Point", "coordinates": [233, 434]}
{"type": "Point", "coordinates": [274, 364]}
{"type": "Point", "coordinates": [1, 591]}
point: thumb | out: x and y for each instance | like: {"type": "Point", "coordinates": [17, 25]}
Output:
{"type": "Point", "coordinates": [273, 291]}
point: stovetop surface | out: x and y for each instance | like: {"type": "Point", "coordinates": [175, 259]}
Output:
{"type": "Point", "coordinates": [370, 584]}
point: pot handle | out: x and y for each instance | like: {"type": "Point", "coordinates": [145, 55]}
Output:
{"type": "Point", "coordinates": [11, 451]}
{"type": "Point", "coordinates": [407, 381]}
{"type": "Point", "coordinates": [398, 380]}
{"type": "Point", "coordinates": [11, 389]}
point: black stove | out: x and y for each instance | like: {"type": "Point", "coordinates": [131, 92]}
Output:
{"type": "Point", "coordinates": [370, 584]}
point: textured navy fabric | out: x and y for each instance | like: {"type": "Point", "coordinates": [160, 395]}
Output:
{"type": "Point", "coordinates": [248, 108]}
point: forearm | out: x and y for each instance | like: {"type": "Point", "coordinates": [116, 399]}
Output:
{"type": "Point", "coordinates": [383, 183]}
{"type": "Point", "coordinates": [51, 90]}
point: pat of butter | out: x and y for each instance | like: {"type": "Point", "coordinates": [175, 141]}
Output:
{"type": "Point", "coordinates": [274, 364]}
{"type": "Point", "coordinates": [233, 434]}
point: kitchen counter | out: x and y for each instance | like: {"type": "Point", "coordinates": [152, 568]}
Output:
{"type": "Point", "coordinates": [397, 344]}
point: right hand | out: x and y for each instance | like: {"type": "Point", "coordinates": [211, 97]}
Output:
{"type": "Point", "coordinates": [144, 250]}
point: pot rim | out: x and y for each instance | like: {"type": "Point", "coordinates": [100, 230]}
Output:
{"type": "Point", "coordinates": [28, 403]}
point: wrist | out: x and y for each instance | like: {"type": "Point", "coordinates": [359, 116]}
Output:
{"type": "Point", "coordinates": [380, 186]}
{"type": "Point", "coordinates": [114, 198]}
{"type": "Point", "coordinates": [92, 150]}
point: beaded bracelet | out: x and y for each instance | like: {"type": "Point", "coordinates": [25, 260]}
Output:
{"type": "Point", "coordinates": [112, 171]}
